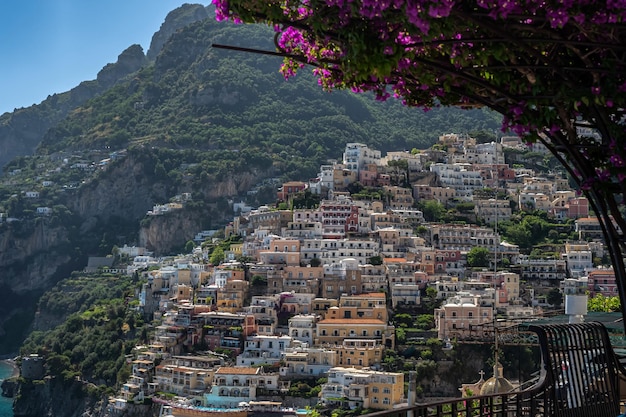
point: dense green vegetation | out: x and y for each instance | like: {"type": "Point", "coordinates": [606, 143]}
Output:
{"type": "Point", "coordinates": [238, 111]}
{"type": "Point", "coordinates": [531, 229]}
{"type": "Point", "coordinates": [99, 329]}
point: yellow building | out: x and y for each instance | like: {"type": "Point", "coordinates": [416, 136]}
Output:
{"type": "Point", "coordinates": [322, 305]}
{"type": "Point", "coordinates": [334, 331]}
{"type": "Point", "coordinates": [368, 305]}
{"type": "Point", "coordinates": [231, 297]}
{"type": "Point", "coordinates": [401, 198]}
{"type": "Point", "coordinates": [236, 249]}
{"type": "Point", "coordinates": [363, 388]}
{"type": "Point", "coordinates": [359, 353]}
{"type": "Point", "coordinates": [183, 380]}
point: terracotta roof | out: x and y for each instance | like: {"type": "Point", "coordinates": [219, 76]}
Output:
{"type": "Point", "coordinates": [237, 370]}
{"type": "Point", "coordinates": [350, 321]}
{"type": "Point", "coordinates": [394, 260]}
{"type": "Point", "coordinates": [370, 294]}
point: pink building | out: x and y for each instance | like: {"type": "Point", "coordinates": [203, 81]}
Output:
{"type": "Point", "coordinates": [602, 281]}
{"type": "Point", "coordinates": [577, 208]}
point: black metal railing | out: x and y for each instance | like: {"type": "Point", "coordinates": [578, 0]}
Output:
{"type": "Point", "coordinates": [580, 376]}
{"type": "Point", "coordinates": [531, 402]}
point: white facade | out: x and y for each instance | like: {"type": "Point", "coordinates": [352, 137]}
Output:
{"type": "Point", "coordinates": [309, 361]}
{"type": "Point", "coordinates": [263, 349]}
{"type": "Point", "coordinates": [492, 210]}
{"type": "Point", "coordinates": [458, 177]}
{"type": "Point", "coordinates": [357, 155]}
{"type": "Point", "coordinates": [302, 328]}
{"type": "Point", "coordinates": [405, 294]}
{"type": "Point", "coordinates": [484, 153]}
{"type": "Point", "coordinates": [355, 385]}
{"type": "Point", "coordinates": [578, 257]}
{"type": "Point", "coordinates": [335, 250]}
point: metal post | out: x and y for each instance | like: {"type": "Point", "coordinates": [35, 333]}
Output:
{"type": "Point", "coordinates": [411, 394]}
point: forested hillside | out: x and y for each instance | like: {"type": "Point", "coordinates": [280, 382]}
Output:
{"type": "Point", "coordinates": [195, 96]}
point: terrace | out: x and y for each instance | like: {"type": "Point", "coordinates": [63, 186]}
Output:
{"type": "Point", "coordinates": [580, 375]}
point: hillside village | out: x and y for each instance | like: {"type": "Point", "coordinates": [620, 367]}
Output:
{"type": "Point", "coordinates": [309, 288]}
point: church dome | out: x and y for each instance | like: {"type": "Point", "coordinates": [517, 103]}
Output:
{"type": "Point", "coordinates": [497, 383]}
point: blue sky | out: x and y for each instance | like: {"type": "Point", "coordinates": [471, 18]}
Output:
{"type": "Point", "coordinates": [50, 46]}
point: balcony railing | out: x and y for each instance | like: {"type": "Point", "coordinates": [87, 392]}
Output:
{"type": "Point", "coordinates": [531, 403]}
{"type": "Point", "coordinates": [580, 376]}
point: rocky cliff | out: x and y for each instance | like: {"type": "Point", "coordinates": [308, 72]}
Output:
{"type": "Point", "coordinates": [55, 397]}
{"type": "Point", "coordinates": [181, 17]}
{"type": "Point", "coordinates": [163, 233]}
{"type": "Point", "coordinates": [36, 253]}
{"type": "Point", "coordinates": [126, 189]}
{"type": "Point", "coordinates": [32, 256]}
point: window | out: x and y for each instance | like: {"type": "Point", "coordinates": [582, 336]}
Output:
{"type": "Point", "coordinates": [375, 389]}
{"type": "Point", "coordinates": [386, 390]}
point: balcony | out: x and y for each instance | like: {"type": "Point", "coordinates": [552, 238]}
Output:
{"type": "Point", "coordinates": [591, 383]}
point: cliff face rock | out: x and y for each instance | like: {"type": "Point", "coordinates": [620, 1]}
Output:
{"type": "Point", "coordinates": [58, 398]}
{"type": "Point", "coordinates": [28, 256]}
{"type": "Point", "coordinates": [170, 231]}
{"type": "Point", "coordinates": [124, 190]}
{"type": "Point", "coordinates": [204, 96]}
{"type": "Point", "coordinates": [129, 61]}
{"type": "Point", "coordinates": [176, 19]}
{"type": "Point", "coordinates": [19, 241]}
{"type": "Point", "coordinates": [29, 260]}
{"type": "Point", "coordinates": [233, 185]}
{"type": "Point", "coordinates": [8, 388]}
{"type": "Point", "coordinates": [21, 131]}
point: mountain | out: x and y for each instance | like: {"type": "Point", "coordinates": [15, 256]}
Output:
{"type": "Point", "coordinates": [184, 118]}
{"type": "Point", "coordinates": [195, 96]}
{"type": "Point", "coordinates": [22, 130]}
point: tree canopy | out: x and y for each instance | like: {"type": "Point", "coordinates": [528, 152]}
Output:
{"type": "Point", "coordinates": [555, 70]}
{"type": "Point", "coordinates": [478, 256]}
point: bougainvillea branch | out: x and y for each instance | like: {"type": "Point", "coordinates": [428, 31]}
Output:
{"type": "Point", "coordinates": [555, 69]}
